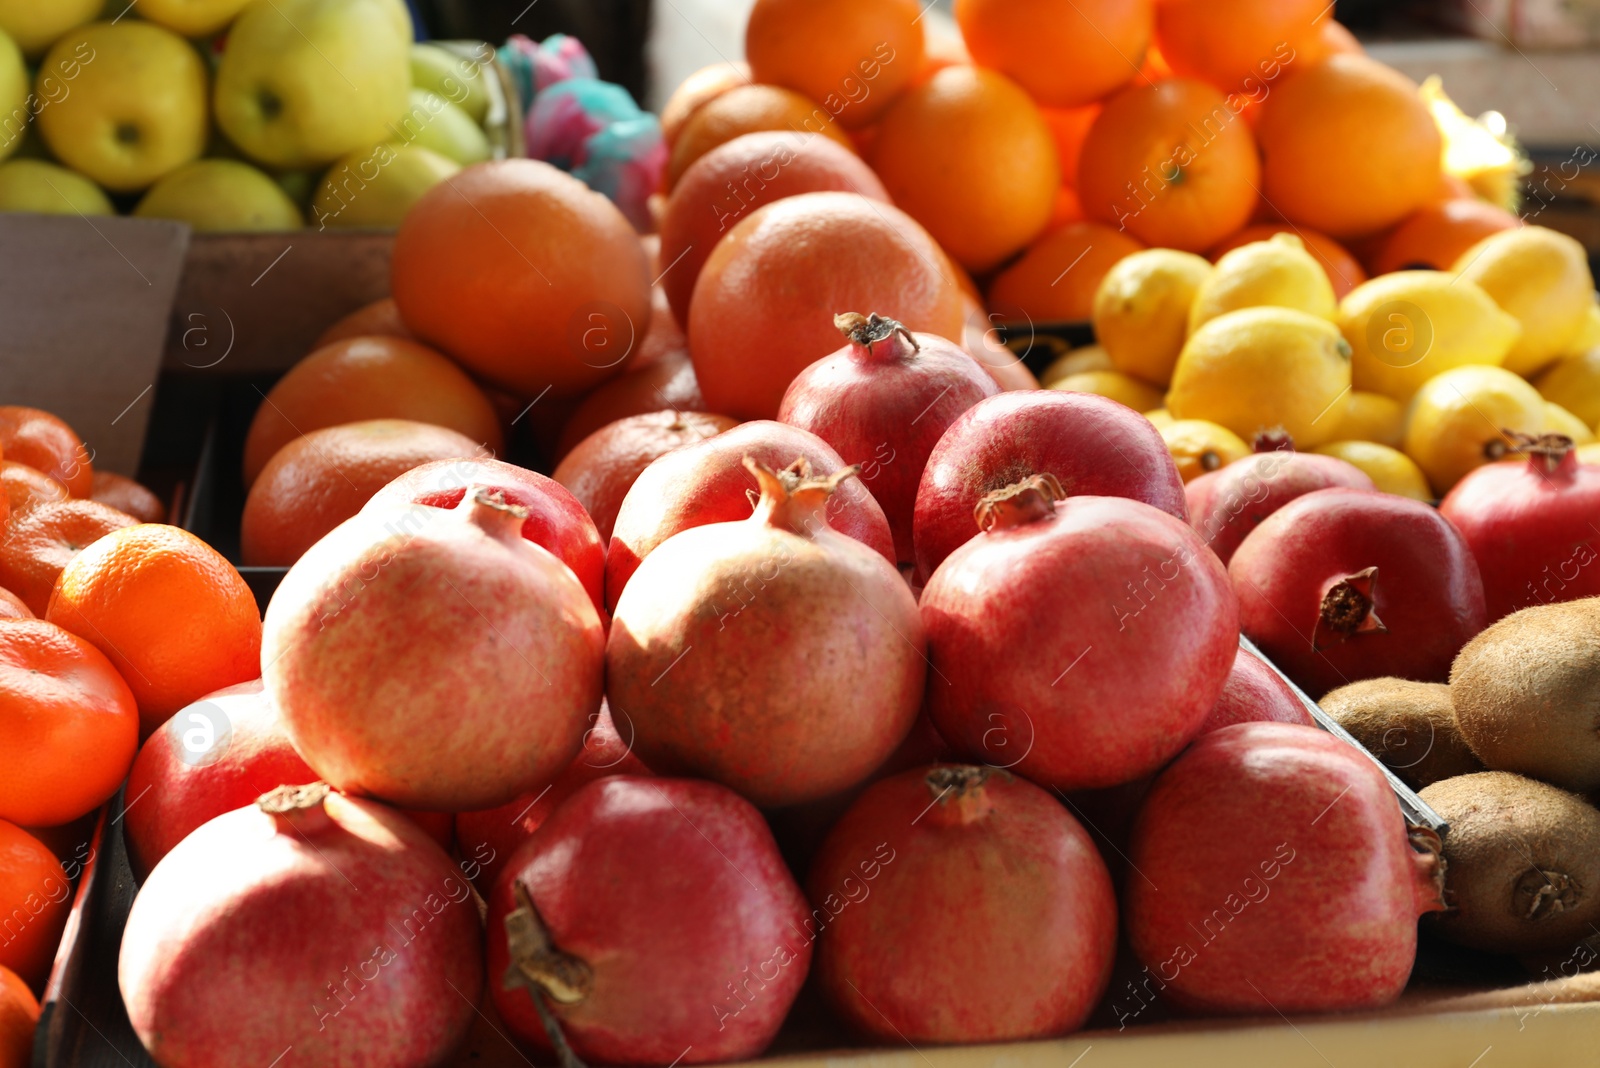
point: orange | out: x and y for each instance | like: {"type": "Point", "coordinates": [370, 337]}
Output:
{"type": "Point", "coordinates": [1348, 147]}
{"type": "Point", "coordinates": [749, 109]}
{"type": "Point", "coordinates": [667, 385]}
{"type": "Point", "coordinates": [40, 541]}
{"type": "Point", "coordinates": [1240, 46]}
{"type": "Point", "coordinates": [35, 897]}
{"type": "Point", "coordinates": [368, 378]}
{"type": "Point", "coordinates": [851, 56]}
{"type": "Point", "coordinates": [525, 275]}
{"type": "Point", "coordinates": [1344, 270]}
{"type": "Point", "coordinates": [1172, 164]}
{"type": "Point", "coordinates": [1065, 53]}
{"type": "Point", "coordinates": [1068, 128]}
{"type": "Point", "coordinates": [763, 309]}
{"type": "Point", "coordinates": [1435, 236]}
{"type": "Point", "coordinates": [1338, 40]}
{"type": "Point", "coordinates": [19, 1016]}
{"type": "Point", "coordinates": [1055, 280]}
{"type": "Point", "coordinates": [168, 610]}
{"type": "Point", "coordinates": [381, 317]}
{"type": "Point", "coordinates": [25, 487]}
{"type": "Point", "coordinates": [69, 726]}
{"type": "Point", "coordinates": [697, 90]}
{"type": "Point", "coordinates": [940, 50]}
{"type": "Point", "coordinates": [320, 479]}
{"type": "Point", "coordinates": [12, 606]}
{"type": "Point", "coordinates": [968, 155]}
{"type": "Point", "coordinates": [1068, 209]}
{"type": "Point", "coordinates": [126, 495]}
{"type": "Point", "coordinates": [40, 440]}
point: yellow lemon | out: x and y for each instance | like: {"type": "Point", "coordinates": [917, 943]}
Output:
{"type": "Point", "coordinates": [1200, 447]}
{"type": "Point", "coordinates": [1406, 327]}
{"type": "Point", "coordinates": [1160, 418]}
{"type": "Point", "coordinates": [1391, 470]}
{"type": "Point", "coordinates": [1372, 417]}
{"type": "Point", "coordinates": [1141, 310]}
{"type": "Point", "coordinates": [1560, 421]}
{"type": "Point", "coordinates": [1088, 358]}
{"type": "Point", "coordinates": [1589, 334]}
{"type": "Point", "coordinates": [1574, 383]}
{"type": "Point", "coordinates": [1259, 368]}
{"type": "Point", "coordinates": [1542, 278]}
{"type": "Point", "coordinates": [1458, 421]}
{"type": "Point", "coordinates": [1125, 389]}
{"type": "Point", "coordinates": [1589, 454]}
{"type": "Point", "coordinates": [1278, 272]}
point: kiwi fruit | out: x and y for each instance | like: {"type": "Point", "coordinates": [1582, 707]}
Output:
{"type": "Point", "coordinates": [1522, 863]}
{"type": "Point", "coordinates": [1410, 726]}
{"type": "Point", "coordinates": [1527, 694]}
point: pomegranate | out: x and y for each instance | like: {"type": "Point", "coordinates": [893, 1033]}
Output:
{"type": "Point", "coordinates": [667, 384]}
{"type": "Point", "coordinates": [1345, 584]}
{"type": "Point", "coordinates": [1531, 525]}
{"type": "Point", "coordinates": [434, 659]}
{"type": "Point", "coordinates": [489, 837]}
{"type": "Point", "coordinates": [657, 923]}
{"type": "Point", "coordinates": [961, 904]}
{"type": "Point", "coordinates": [1255, 693]}
{"type": "Point", "coordinates": [328, 925]}
{"type": "Point", "coordinates": [1278, 876]}
{"type": "Point", "coordinates": [883, 401]}
{"type": "Point", "coordinates": [1092, 445]}
{"type": "Point", "coordinates": [1227, 504]}
{"type": "Point", "coordinates": [556, 521]}
{"type": "Point", "coordinates": [1079, 642]}
{"type": "Point", "coordinates": [707, 483]}
{"type": "Point", "coordinates": [774, 655]}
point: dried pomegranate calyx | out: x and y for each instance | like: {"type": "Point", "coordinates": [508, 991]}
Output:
{"type": "Point", "coordinates": [1022, 502]}
{"type": "Point", "coordinates": [1348, 609]}
{"type": "Point", "coordinates": [536, 962]}
{"type": "Point", "coordinates": [791, 498]}
{"type": "Point", "coordinates": [871, 330]}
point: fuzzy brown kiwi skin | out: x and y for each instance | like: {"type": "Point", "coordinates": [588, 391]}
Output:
{"type": "Point", "coordinates": [1522, 863]}
{"type": "Point", "coordinates": [1410, 726]}
{"type": "Point", "coordinates": [1527, 694]}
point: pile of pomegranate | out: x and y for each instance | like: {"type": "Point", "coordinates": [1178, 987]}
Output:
{"type": "Point", "coordinates": [927, 695]}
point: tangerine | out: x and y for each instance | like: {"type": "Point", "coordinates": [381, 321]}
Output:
{"type": "Point", "coordinates": [126, 495]}
{"type": "Point", "coordinates": [41, 540]}
{"type": "Point", "coordinates": [1055, 281]}
{"type": "Point", "coordinates": [381, 317]}
{"type": "Point", "coordinates": [1064, 54]}
{"type": "Point", "coordinates": [697, 90]}
{"type": "Point", "coordinates": [1435, 235]}
{"type": "Point", "coordinates": [1239, 46]}
{"type": "Point", "coordinates": [852, 56]}
{"type": "Point", "coordinates": [749, 109]}
{"type": "Point", "coordinates": [19, 1016]}
{"type": "Point", "coordinates": [35, 437]}
{"type": "Point", "coordinates": [35, 898]}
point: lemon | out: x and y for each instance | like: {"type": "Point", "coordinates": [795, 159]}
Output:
{"type": "Point", "coordinates": [1160, 418]}
{"type": "Point", "coordinates": [1391, 470]}
{"type": "Point", "coordinates": [1574, 383]}
{"type": "Point", "coordinates": [1125, 389]}
{"type": "Point", "coordinates": [1088, 358]}
{"type": "Point", "coordinates": [1589, 454]}
{"type": "Point", "coordinates": [1542, 278]}
{"type": "Point", "coordinates": [1199, 447]}
{"type": "Point", "coordinates": [1141, 310]}
{"type": "Point", "coordinates": [1557, 420]}
{"type": "Point", "coordinates": [1589, 334]}
{"type": "Point", "coordinates": [1372, 417]}
{"type": "Point", "coordinates": [1408, 326]}
{"type": "Point", "coordinates": [1456, 421]}
{"type": "Point", "coordinates": [1277, 272]}
{"type": "Point", "coordinates": [1259, 368]}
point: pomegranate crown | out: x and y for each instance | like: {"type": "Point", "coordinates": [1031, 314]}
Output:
{"type": "Point", "coordinates": [1022, 502]}
{"type": "Point", "coordinates": [1545, 450]}
{"type": "Point", "coordinates": [868, 330]}
{"type": "Point", "coordinates": [795, 486]}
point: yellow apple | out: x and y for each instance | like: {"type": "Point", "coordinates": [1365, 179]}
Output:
{"type": "Point", "coordinates": [304, 82]}
{"type": "Point", "coordinates": [375, 187]}
{"type": "Point", "coordinates": [438, 125]}
{"type": "Point", "coordinates": [47, 189]}
{"type": "Point", "coordinates": [191, 18]}
{"type": "Point", "coordinates": [37, 24]}
{"type": "Point", "coordinates": [13, 96]}
{"type": "Point", "coordinates": [136, 108]}
{"type": "Point", "coordinates": [221, 195]}
{"type": "Point", "coordinates": [456, 78]}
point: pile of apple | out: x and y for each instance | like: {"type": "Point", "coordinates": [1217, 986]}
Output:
{"type": "Point", "coordinates": [232, 115]}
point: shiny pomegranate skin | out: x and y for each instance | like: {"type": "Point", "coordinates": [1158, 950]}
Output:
{"type": "Point", "coordinates": [1254, 693]}
{"type": "Point", "coordinates": [1227, 504]}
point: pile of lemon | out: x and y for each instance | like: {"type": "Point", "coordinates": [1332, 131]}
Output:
{"type": "Point", "coordinates": [1416, 377]}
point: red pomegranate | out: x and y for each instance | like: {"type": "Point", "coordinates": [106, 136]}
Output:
{"type": "Point", "coordinates": [961, 904]}
{"type": "Point", "coordinates": [883, 401]}
{"type": "Point", "coordinates": [1227, 504]}
{"type": "Point", "coordinates": [435, 659]}
{"type": "Point", "coordinates": [1079, 642]}
{"type": "Point", "coordinates": [1093, 446]}
{"type": "Point", "coordinates": [708, 483]}
{"type": "Point", "coordinates": [488, 838]}
{"type": "Point", "coordinates": [326, 925]}
{"type": "Point", "coordinates": [774, 655]}
{"type": "Point", "coordinates": [1278, 877]}
{"type": "Point", "coordinates": [1345, 584]}
{"type": "Point", "coordinates": [1531, 525]}
{"type": "Point", "coordinates": [1255, 693]}
{"type": "Point", "coordinates": [555, 519]}
{"type": "Point", "coordinates": [657, 921]}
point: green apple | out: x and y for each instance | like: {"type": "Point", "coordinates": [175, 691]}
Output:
{"type": "Point", "coordinates": [14, 87]}
{"type": "Point", "coordinates": [136, 108]}
{"type": "Point", "coordinates": [456, 78]}
{"type": "Point", "coordinates": [47, 189]}
{"type": "Point", "coordinates": [438, 125]}
{"type": "Point", "coordinates": [304, 82]}
{"type": "Point", "coordinates": [191, 18]}
{"type": "Point", "coordinates": [375, 187]}
{"type": "Point", "coordinates": [221, 195]}
{"type": "Point", "coordinates": [37, 24]}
